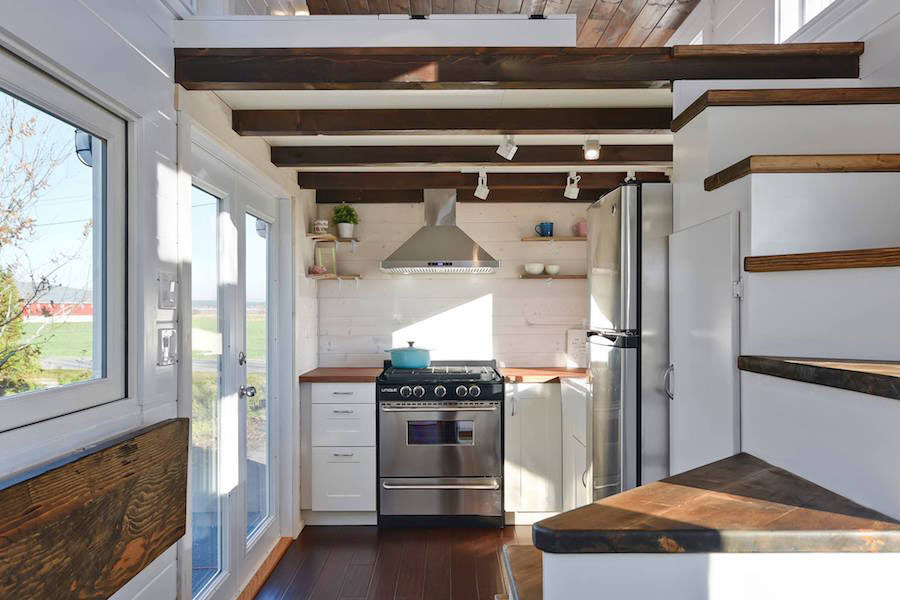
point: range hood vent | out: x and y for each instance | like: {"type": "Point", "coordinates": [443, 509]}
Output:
{"type": "Point", "coordinates": [440, 246]}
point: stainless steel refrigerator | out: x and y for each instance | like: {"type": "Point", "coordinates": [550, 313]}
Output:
{"type": "Point", "coordinates": [628, 326]}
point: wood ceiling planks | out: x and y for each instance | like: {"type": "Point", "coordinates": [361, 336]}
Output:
{"type": "Point", "coordinates": [604, 23]}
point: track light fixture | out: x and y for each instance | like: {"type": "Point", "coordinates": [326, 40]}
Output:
{"type": "Point", "coordinates": [572, 186]}
{"type": "Point", "coordinates": [482, 191]}
{"type": "Point", "coordinates": [507, 148]}
{"type": "Point", "coordinates": [591, 149]}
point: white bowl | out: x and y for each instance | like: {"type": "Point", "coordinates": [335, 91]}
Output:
{"type": "Point", "coordinates": [534, 268]}
{"type": "Point", "coordinates": [552, 269]}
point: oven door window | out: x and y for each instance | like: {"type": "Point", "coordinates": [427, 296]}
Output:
{"type": "Point", "coordinates": [440, 433]}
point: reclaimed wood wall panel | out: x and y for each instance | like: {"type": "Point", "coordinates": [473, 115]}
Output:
{"type": "Point", "coordinates": [83, 526]}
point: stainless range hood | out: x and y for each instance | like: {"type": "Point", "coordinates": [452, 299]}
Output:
{"type": "Point", "coordinates": [440, 246]}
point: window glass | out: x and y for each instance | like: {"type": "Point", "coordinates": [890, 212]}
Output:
{"type": "Point", "coordinates": [52, 255]}
{"type": "Point", "coordinates": [794, 14]}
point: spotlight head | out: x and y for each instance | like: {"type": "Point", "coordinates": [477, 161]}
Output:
{"type": "Point", "coordinates": [572, 186]}
{"type": "Point", "coordinates": [507, 148]}
{"type": "Point", "coordinates": [482, 190]}
{"type": "Point", "coordinates": [591, 149]}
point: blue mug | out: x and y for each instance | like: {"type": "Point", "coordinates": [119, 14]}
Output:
{"type": "Point", "coordinates": [544, 229]}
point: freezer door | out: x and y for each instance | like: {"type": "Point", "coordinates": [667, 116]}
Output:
{"type": "Point", "coordinates": [614, 416]}
{"type": "Point", "coordinates": [612, 259]}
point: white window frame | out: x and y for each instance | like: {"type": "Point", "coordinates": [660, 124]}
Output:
{"type": "Point", "coordinates": [801, 19]}
{"type": "Point", "coordinates": [24, 81]}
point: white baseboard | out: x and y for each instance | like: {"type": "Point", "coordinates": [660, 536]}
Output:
{"type": "Point", "coordinates": [312, 517]}
{"type": "Point", "coordinates": [527, 518]}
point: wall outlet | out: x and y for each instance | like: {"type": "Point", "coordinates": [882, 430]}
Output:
{"type": "Point", "coordinates": [167, 347]}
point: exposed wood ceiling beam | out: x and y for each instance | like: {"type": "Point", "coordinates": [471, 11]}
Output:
{"type": "Point", "coordinates": [412, 180]}
{"type": "Point", "coordinates": [455, 121]}
{"type": "Point", "coordinates": [349, 156]}
{"type": "Point", "coordinates": [544, 196]}
{"type": "Point", "coordinates": [416, 68]}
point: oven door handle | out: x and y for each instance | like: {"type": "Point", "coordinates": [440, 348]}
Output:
{"type": "Point", "coordinates": [434, 409]}
{"type": "Point", "coordinates": [441, 486]}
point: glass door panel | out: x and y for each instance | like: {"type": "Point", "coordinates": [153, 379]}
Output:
{"type": "Point", "coordinates": [206, 325]}
{"type": "Point", "coordinates": [257, 321]}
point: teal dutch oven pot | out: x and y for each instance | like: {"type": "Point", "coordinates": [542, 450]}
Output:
{"type": "Point", "coordinates": [410, 358]}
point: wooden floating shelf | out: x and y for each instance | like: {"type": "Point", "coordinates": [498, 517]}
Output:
{"type": "Point", "coordinates": [787, 97]}
{"type": "Point", "coordinates": [333, 277]}
{"type": "Point", "coordinates": [812, 261]}
{"type": "Point", "coordinates": [804, 163]}
{"type": "Point", "coordinates": [545, 276]}
{"type": "Point", "coordinates": [877, 378]}
{"type": "Point", "coordinates": [328, 237]}
{"type": "Point", "coordinates": [570, 238]}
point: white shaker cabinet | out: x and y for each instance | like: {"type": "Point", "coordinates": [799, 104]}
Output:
{"type": "Point", "coordinates": [338, 471]}
{"type": "Point", "coordinates": [576, 412]}
{"type": "Point", "coordinates": [533, 473]}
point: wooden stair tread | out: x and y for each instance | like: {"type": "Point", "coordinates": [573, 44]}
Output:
{"type": "Point", "coordinates": [804, 163]}
{"type": "Point", "coordinates": [524, 568]}
{"type": "Point", "coordinates": [877, 378]}
{"type": "Point", "coordinates": [735, 50]}
{"type": "Point", "coordinates": [786, 97]}
{"type": "Point", "coordinates": [810, 261]}
{"type": "Point", "coordinates": [738, 504]}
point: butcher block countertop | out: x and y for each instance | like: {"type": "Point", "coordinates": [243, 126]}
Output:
{"type": "Point", "coordinates": [368, 374]}
{"type": "Point", "coordinates": [540, 374]}
{"type": "Point", "coordinates": [739, 504]}
{"type": "Point", "coordinates": [341, 375]}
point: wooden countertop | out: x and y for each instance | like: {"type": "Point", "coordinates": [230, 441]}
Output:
{"type": "Point", "coordinates": [368, 374]}
{"type": "Point", "coordinates": [540, 374]}
{"type": "Point", "coordinates": [739, 504]}
{"type": "Point", "coordinates": [341, 375]}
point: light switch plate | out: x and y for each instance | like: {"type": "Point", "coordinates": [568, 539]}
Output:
{"type": "Point", "coordinates": [167, 347]}
{"type": "Point", "coordinates": [576, 347]}
{"type": "Point", "coordinates": [168, 291]}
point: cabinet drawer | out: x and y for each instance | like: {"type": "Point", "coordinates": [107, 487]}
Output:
{"type": "Point", "coordinates": [343, 479]}
{"type": "Point", "coordinates": [346, 393]}
{"type": "Point", "coordinates": [343, 425]}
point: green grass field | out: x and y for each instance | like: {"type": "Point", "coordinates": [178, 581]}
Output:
{"type": "Point", "coordinates": [73, 340]}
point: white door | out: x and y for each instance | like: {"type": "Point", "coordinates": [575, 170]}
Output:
{"type": "Point", "coordinates": [704, 317]}
{"type": "Point", "coordinates": [233, 492]}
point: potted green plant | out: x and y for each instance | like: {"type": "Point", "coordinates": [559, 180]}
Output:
{"type": "Point", "coordinates": [346, 217]}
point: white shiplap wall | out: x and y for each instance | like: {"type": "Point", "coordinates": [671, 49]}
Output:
{"type": "Point", "coordinates": [518, 322]}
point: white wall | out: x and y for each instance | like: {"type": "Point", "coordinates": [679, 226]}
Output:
{"type": "Point", "coordinates": [836, 438]}
{"type": "Point", "coordinates": [119, 54]}
{"type": "Point", "coordinates": [519, 322]}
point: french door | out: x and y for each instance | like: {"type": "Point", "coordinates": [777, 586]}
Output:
{"type": "Point", "coordinates": [234, 413]}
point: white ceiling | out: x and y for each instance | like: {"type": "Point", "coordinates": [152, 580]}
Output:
{"type": "Point", "coordinates": [391, 99]}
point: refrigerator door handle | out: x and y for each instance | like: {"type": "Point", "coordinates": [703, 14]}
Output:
{"type": "Point", "coordinates": [667, 381]}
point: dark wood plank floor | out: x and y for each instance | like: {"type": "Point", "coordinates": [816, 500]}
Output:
{"type": "Point", "coordinates": [368, 563]}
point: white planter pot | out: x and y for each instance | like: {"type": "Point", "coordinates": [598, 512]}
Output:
{"type": "Point", "coordinates": [345, 230]}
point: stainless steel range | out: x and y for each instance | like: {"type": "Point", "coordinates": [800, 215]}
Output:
{"type": "Point", "coordinates": [440, 444]}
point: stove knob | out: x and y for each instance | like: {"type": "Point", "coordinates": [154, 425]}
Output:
{"type": "Point", "coordinates": [440, 391]}
{"type": "Point", "coordinates": [474, 391]}
{"type": "Point", "coordinates": [418, 391]}
{"type": "Point", "coordinates": [406, 391]}
{"type": "Point", "coordinates": [461, 391]}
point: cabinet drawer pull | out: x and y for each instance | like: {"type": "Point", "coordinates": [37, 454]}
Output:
{"type": "Point", "coordinates": [343, 393]}
{"type": "Point", "coordinates": [450, 486]}
{"type": "Point", "coordinates": [342, 454]}
{"type": "Point", "coordinates": [342, 412]}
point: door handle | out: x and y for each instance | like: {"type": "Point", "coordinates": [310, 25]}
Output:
{"type": "Point", "coordinates": [583, 482]}
{"type": "Point", "coordinates": [435, 409]}
{"type": "Point", "coordinates": [667, 380]}
{"type": "Point", "coordinates": [442, 486]}
{"type": "Point", "coordinates": [247, 391]}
